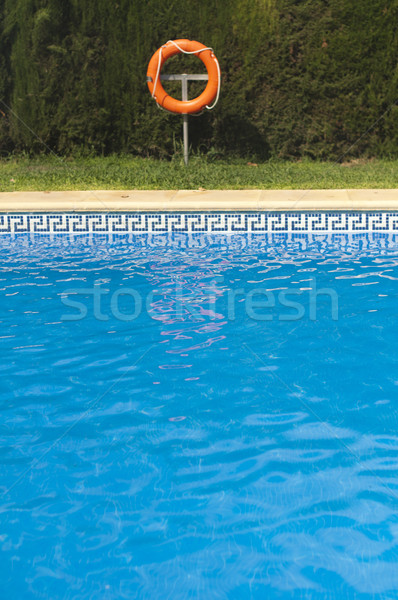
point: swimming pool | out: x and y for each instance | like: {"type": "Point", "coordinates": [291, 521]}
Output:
{"type": "Point", "coordinates": [199, 416]}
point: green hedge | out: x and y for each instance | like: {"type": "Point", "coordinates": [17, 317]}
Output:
{"type": "Point", "coordinates": [301, 78]}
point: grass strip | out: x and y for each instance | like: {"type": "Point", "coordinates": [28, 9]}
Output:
{"type": "Point", "coordinates": [126, 172]}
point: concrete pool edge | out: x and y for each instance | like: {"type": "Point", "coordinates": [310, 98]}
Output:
{"type": "Point", "coordinates": [200, 200]}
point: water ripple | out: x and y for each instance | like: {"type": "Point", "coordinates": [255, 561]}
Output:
{"type": "Point", "coordinates": [197, 451]}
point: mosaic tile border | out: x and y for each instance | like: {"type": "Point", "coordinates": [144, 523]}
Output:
{"type": "Point", "coordinates": [201, 222]}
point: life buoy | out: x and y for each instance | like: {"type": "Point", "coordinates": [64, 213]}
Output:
{"type": "Point", "coordinates": [206, 55]}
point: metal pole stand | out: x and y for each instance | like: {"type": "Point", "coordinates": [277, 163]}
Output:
{"type": "Point", "coordinates": [184, 78]}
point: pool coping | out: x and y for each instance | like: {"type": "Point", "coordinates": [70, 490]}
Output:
{"type": "Point", "coordinates": [199, 200]}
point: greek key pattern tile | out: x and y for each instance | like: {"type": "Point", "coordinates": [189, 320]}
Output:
{"type": "Point", "coordinates": [204, 222]}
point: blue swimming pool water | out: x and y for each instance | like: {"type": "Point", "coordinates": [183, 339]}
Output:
{"type": "Point", "coordinates": [208, 448]}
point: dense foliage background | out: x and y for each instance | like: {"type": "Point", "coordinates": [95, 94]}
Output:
{"type": "Point", "coordinates": [300, 77]}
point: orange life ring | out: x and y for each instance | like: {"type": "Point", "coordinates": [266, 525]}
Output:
{"type": "Point", "coordinates": [210, 61]}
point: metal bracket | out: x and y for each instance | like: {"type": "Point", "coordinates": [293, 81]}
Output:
{"type": "Point", "coordinates": [184, 78]}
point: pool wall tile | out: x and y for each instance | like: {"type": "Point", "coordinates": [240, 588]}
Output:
{"type": "Point", "coordinates": [201, 222]}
